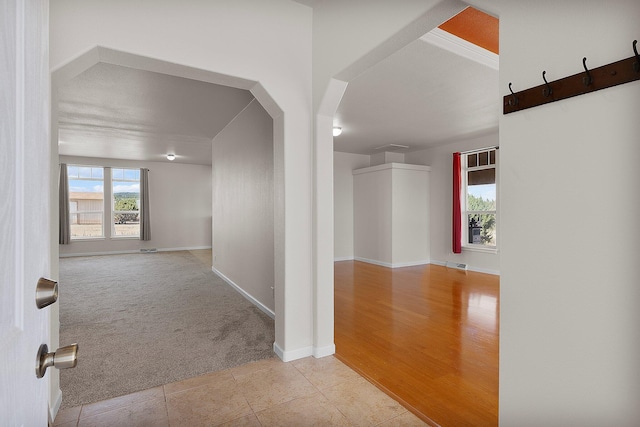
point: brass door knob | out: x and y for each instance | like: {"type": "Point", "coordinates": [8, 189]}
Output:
{"type": "Point", "coordinates": [63, 358]}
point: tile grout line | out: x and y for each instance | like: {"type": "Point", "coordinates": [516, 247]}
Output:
{"type": "Point", "coordinates": [166, 407]}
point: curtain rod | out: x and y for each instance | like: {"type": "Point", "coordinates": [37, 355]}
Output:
{"type": "Point", "coordinates": [477, 150]}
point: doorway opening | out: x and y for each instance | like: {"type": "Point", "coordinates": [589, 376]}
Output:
{"type": "Point", "coordinates": [412, 114]}
{"type": "Point", "coordinates": [184, 187]}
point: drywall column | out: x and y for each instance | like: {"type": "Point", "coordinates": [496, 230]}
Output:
{"type": "Point", "coordinates": [569, 175]}
{"type": "Point", "coordinates": [391, 214]}
{"type": "Point", "coordinates": [372, 215]}
{"type": "Point", "coordinates": [323, 344]}
{"type": "Point", "coordinates": [410, 240]}
{"type": "Point", "coordinates": [344, 164]}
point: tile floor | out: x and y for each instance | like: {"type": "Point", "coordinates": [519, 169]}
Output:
{"type": "Point", "coordinates": [306, 392]}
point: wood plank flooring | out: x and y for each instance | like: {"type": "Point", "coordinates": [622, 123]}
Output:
{"type": "Point", "coordinates": [427, 335]}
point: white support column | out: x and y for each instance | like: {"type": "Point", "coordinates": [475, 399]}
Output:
{"type": "Point", "coordinates": [323, 344]}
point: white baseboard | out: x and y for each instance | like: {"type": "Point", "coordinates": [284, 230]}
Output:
{"type": "Point", "coordinates": [325, 351]}
{"type": "Point", "coordinates": [132, 251]}
{"type": "Point", "coordinates": [470, 268]}
{"type": "Point", "coordinates": [390, 265]}
{"type": "Point", "coordinates": [373, 261]}
{"type": "Point", "coordinates": [266, 310]}
{"type": "Point", "coordinates": [54, 406]}
{"type": "Point", "coordinates": [288, 356]}
{"type": "Point", "coordinates": [136, 251]}
{"type": "Point", "coordinates": [343, 258]}
{"type": "Point", "coordinates": [410, 264]}
{"type": "Point", "coordinates": [483, 270]}
{"type": "Point", "coordinates": [187, 248]}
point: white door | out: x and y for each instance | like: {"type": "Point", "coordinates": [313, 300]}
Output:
{"type": "Point", "coordinates": [24, 207]}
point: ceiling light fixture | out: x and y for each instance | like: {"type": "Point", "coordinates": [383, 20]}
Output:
{"type": "Point", "coordinates": [171, 156]}
{"type": "Point", "coordinates": [337, 131]}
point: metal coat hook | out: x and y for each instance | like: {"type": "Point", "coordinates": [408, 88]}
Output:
{"type": "Point", "coordinates": [582, 82]}
{"type": "Point", "coordinates": [587, 80]}
{"type": "Point", "coordinates": [546, 91]}
{"type": "Point", "coordinates": [514, 99]}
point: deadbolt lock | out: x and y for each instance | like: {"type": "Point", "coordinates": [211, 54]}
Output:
{"type": "Point", "coordinates": [46, 292]}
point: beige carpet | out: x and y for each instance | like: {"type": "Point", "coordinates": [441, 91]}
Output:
{"type": "Point", "coordinates": [144, 320]}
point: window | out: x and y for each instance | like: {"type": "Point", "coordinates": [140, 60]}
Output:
{"type": "Point", "coordinates": [125, 205]}
{"type": "Point", "coordinates": [480, 196]}
{"type": "Point", "coordinates": [86, 201]}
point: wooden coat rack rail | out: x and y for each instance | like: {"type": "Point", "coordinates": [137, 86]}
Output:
{"type": "Point", "coordinates": [616, 73]}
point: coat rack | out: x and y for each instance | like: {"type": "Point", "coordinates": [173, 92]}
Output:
{"type": "Point", "coordinates": [616, 73]}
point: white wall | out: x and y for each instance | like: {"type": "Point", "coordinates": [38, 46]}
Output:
{"type": "Point", "coordinates": [440, 160]}
{"type": "Point", "coordinates": [570, 323]}
{"type": "Point", "coordinates": [410, 244]}
{"type": "Point", "coordinates": [180, 206]}
{"type": "Point", "coordinates": [372, 192]}
{"type": "Point", "coordinates": [243, 243]}
{"type": "Point", "coordinates": [268, 42]}
{"type": "Point", "coordinates": [391, 214]}
{"type": "Point", "coordinates": [343, 165]}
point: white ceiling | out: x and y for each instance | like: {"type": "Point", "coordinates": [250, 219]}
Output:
{"type": "Point", "coordinates": [421, 96]}
{"type": "Point", "coordinates": [118, 112]}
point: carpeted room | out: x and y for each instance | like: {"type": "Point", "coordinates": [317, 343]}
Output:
{"type": "Point", "coordinates": [143, 320]}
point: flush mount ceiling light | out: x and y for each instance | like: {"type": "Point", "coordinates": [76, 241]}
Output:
{"type": "Point", "coordinates": [337, 131]}
{"type": "Point", "coordinates": [171, 156]}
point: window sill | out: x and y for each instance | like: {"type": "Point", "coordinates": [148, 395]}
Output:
{"type": "Point", "coordinates": [489, 250]}
{"type": "Point", "coordinates": [88, 239]}
{"type": "Point", "coordinates": [125, 237]}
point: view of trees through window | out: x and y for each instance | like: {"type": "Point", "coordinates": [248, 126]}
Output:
{"type": "Point", "coordinates": [126, 202]}
{"type": "Point", "coordinates": [486, 222]}
{"type": "Point", "coordinates": [480, 212]}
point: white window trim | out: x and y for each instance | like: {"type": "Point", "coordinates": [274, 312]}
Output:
{"type": "Point", "coordinates": [471, 247]}
{"type": "Point", "coordinates": [78, 178]}
{"type": "Point", "coordinates": [112, 212]}
{"type": "Point", "coordinates": [108, 233]}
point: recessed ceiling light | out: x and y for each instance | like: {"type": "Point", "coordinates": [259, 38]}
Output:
{"type": "Point", "coordinates": [337, 131]}
{"type": "Point", "coordinates": [171, 156]}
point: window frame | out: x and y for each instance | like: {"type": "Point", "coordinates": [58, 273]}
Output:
{"type": "Point", "coordinates": [77, 212]}
{"type": "Point", "coordinates": [464, 195]}
{"type": "Point", "coordinates": [113, 211]}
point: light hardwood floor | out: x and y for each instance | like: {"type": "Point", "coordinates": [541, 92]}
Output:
{"type": "Point", "coordinates": [427, 335]}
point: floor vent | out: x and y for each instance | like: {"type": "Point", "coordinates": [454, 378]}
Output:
{"type": "Point", "coordinates": [457, 265]}
{"type": "Point", "coordinates": [149, 251]}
